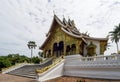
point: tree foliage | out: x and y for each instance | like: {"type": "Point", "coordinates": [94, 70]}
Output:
{"type": "Point", "coordinates": [4, 63]}
{"type": "Point", "coordinates": [40, 54]}
{"type": "Point", "coordinates": [115, 35]}
{"type": "Point", "coordinates": [12, 59]}
{"type": "Point", "coordinates": [36, 60]}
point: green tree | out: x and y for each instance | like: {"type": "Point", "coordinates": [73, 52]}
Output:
{"type": "Point", "coordinates": [16, 58]}
{"type": "Point", "coordinates": [23, 59]}
{"type": "Point", "coordinates": [12, 59]}
{"type": "Point", "coordinates": [4, 62]}
{"type": "Point", "coordinates": [40, 54]}
{"type": "Point", "coordinates": [10, 55]}
{"type": "Point", "coordinates": [31, 45]}
{"type": "Point", "coordinates": [117, 29]}
{"type": "Point", "coordinates": [115, 35]}
{"type": "Point", "coordinates": [36, 60]}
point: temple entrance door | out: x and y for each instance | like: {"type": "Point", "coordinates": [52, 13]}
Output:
{"type": "Point", "coordinates": [61, 48]}
{"type": "Point", "coordinates": [49, 53]}
{"type": "Point", "coordinates": [82, 49]}
{"type": "Point", "coordinates": [73, 49]}
{"type": "Point", "coordinates": [55, 49]}
{"type": "Point", "coordinates": [68, 50]}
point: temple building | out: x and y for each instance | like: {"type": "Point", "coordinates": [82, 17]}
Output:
{"type": "Point", "coordinates": [63, 38]}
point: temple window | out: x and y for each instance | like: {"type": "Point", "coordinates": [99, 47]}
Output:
{"type": "Point", "coordinates": [68, 50]}
{"type": "Point", "coordinates": [73, 49]}
{"type": "Point", "coordinates": [55, 49]}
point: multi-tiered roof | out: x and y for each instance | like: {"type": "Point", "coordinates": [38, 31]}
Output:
{"type": "Point", "coordinates": [69, 28]}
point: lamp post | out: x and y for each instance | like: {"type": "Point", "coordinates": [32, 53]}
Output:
{"type": "Point", "coordinates": [31, 45]}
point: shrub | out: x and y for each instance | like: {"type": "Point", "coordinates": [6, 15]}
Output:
{"type": "Point", "coordinates": [5, 63]}
{"type": "Point", "coordinates": [36, 60]}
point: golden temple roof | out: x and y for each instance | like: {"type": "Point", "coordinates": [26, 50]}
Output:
{"type": "Point", "coordinates": [69, 28]}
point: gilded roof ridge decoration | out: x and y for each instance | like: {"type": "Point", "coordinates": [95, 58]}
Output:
{"type": "Point", "coordinates": [70, 28]}
{"type": "Point", "coordinates": [58, 20]}
{"type": "Point", "coordinates": [65, 22]}
{"type": "Point", "coordinates": [68, 25]}
{"type": "Point", "coordinates": [55, 18]}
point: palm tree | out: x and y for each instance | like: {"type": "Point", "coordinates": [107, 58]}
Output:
{"type": "Point", "coordinates": [117, 29]}
{"type": "Point", "coordinates": [115, 35]}
{"type": "Point", "coordinates": [31, 45]}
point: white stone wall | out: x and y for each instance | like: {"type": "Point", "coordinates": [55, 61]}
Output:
{"type": "Point", "coordinates": [97, 43]}
{"type": "Point", "coordinates": [102, 67]}
{"type": "Point", "coordinates": [52, 73]}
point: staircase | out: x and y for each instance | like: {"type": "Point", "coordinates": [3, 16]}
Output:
{"type": "Point", "coordinates": [29, 70]}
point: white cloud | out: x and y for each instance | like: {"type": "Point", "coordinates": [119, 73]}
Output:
{"type": "Point", "coordinates": [25, 20]}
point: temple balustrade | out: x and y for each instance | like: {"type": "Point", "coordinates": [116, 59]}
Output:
{"type": "Point", "coordinates": [111, 60]}
{"type": "Point", "coordinates": [102, 67]}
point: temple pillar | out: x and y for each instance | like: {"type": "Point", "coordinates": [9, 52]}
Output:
{"type": "Point", "coordinates": [51, 50]}
{"type": "Point", "coordinates": [44, 52]}
{"type": "Point", "coordinates": [103, 45]}
{"type": "Point", "coordinates": [64, 49]}
{"type": "Point", "coordinates": [78, 47]}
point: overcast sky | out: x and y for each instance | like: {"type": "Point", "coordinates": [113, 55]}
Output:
{"type": "Point", "coordinates": [25, 20]}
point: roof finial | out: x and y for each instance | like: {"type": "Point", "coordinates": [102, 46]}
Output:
{"type": "Point", "coordinates": [53, 12]}
{"type": "Point", "coordinates": [63, 16]}
{"type": "Point", "coordinates": [68, 17]}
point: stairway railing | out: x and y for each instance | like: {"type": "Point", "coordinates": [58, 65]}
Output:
{"type": "Point", "coordinates": [54, 62]}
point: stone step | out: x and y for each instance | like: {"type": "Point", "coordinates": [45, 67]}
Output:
{"type": "Point", "coordinates": [24, 73]}
{"type": "Point", "coordinates": [28, 70]}
{"type": "Point", "coordinates": [29, 76]}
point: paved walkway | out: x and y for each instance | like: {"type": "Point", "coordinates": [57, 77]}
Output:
{"type": "Point", "coordinates": [77, 79]}
{"type": "Point", "coordinates": [12, 78]}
